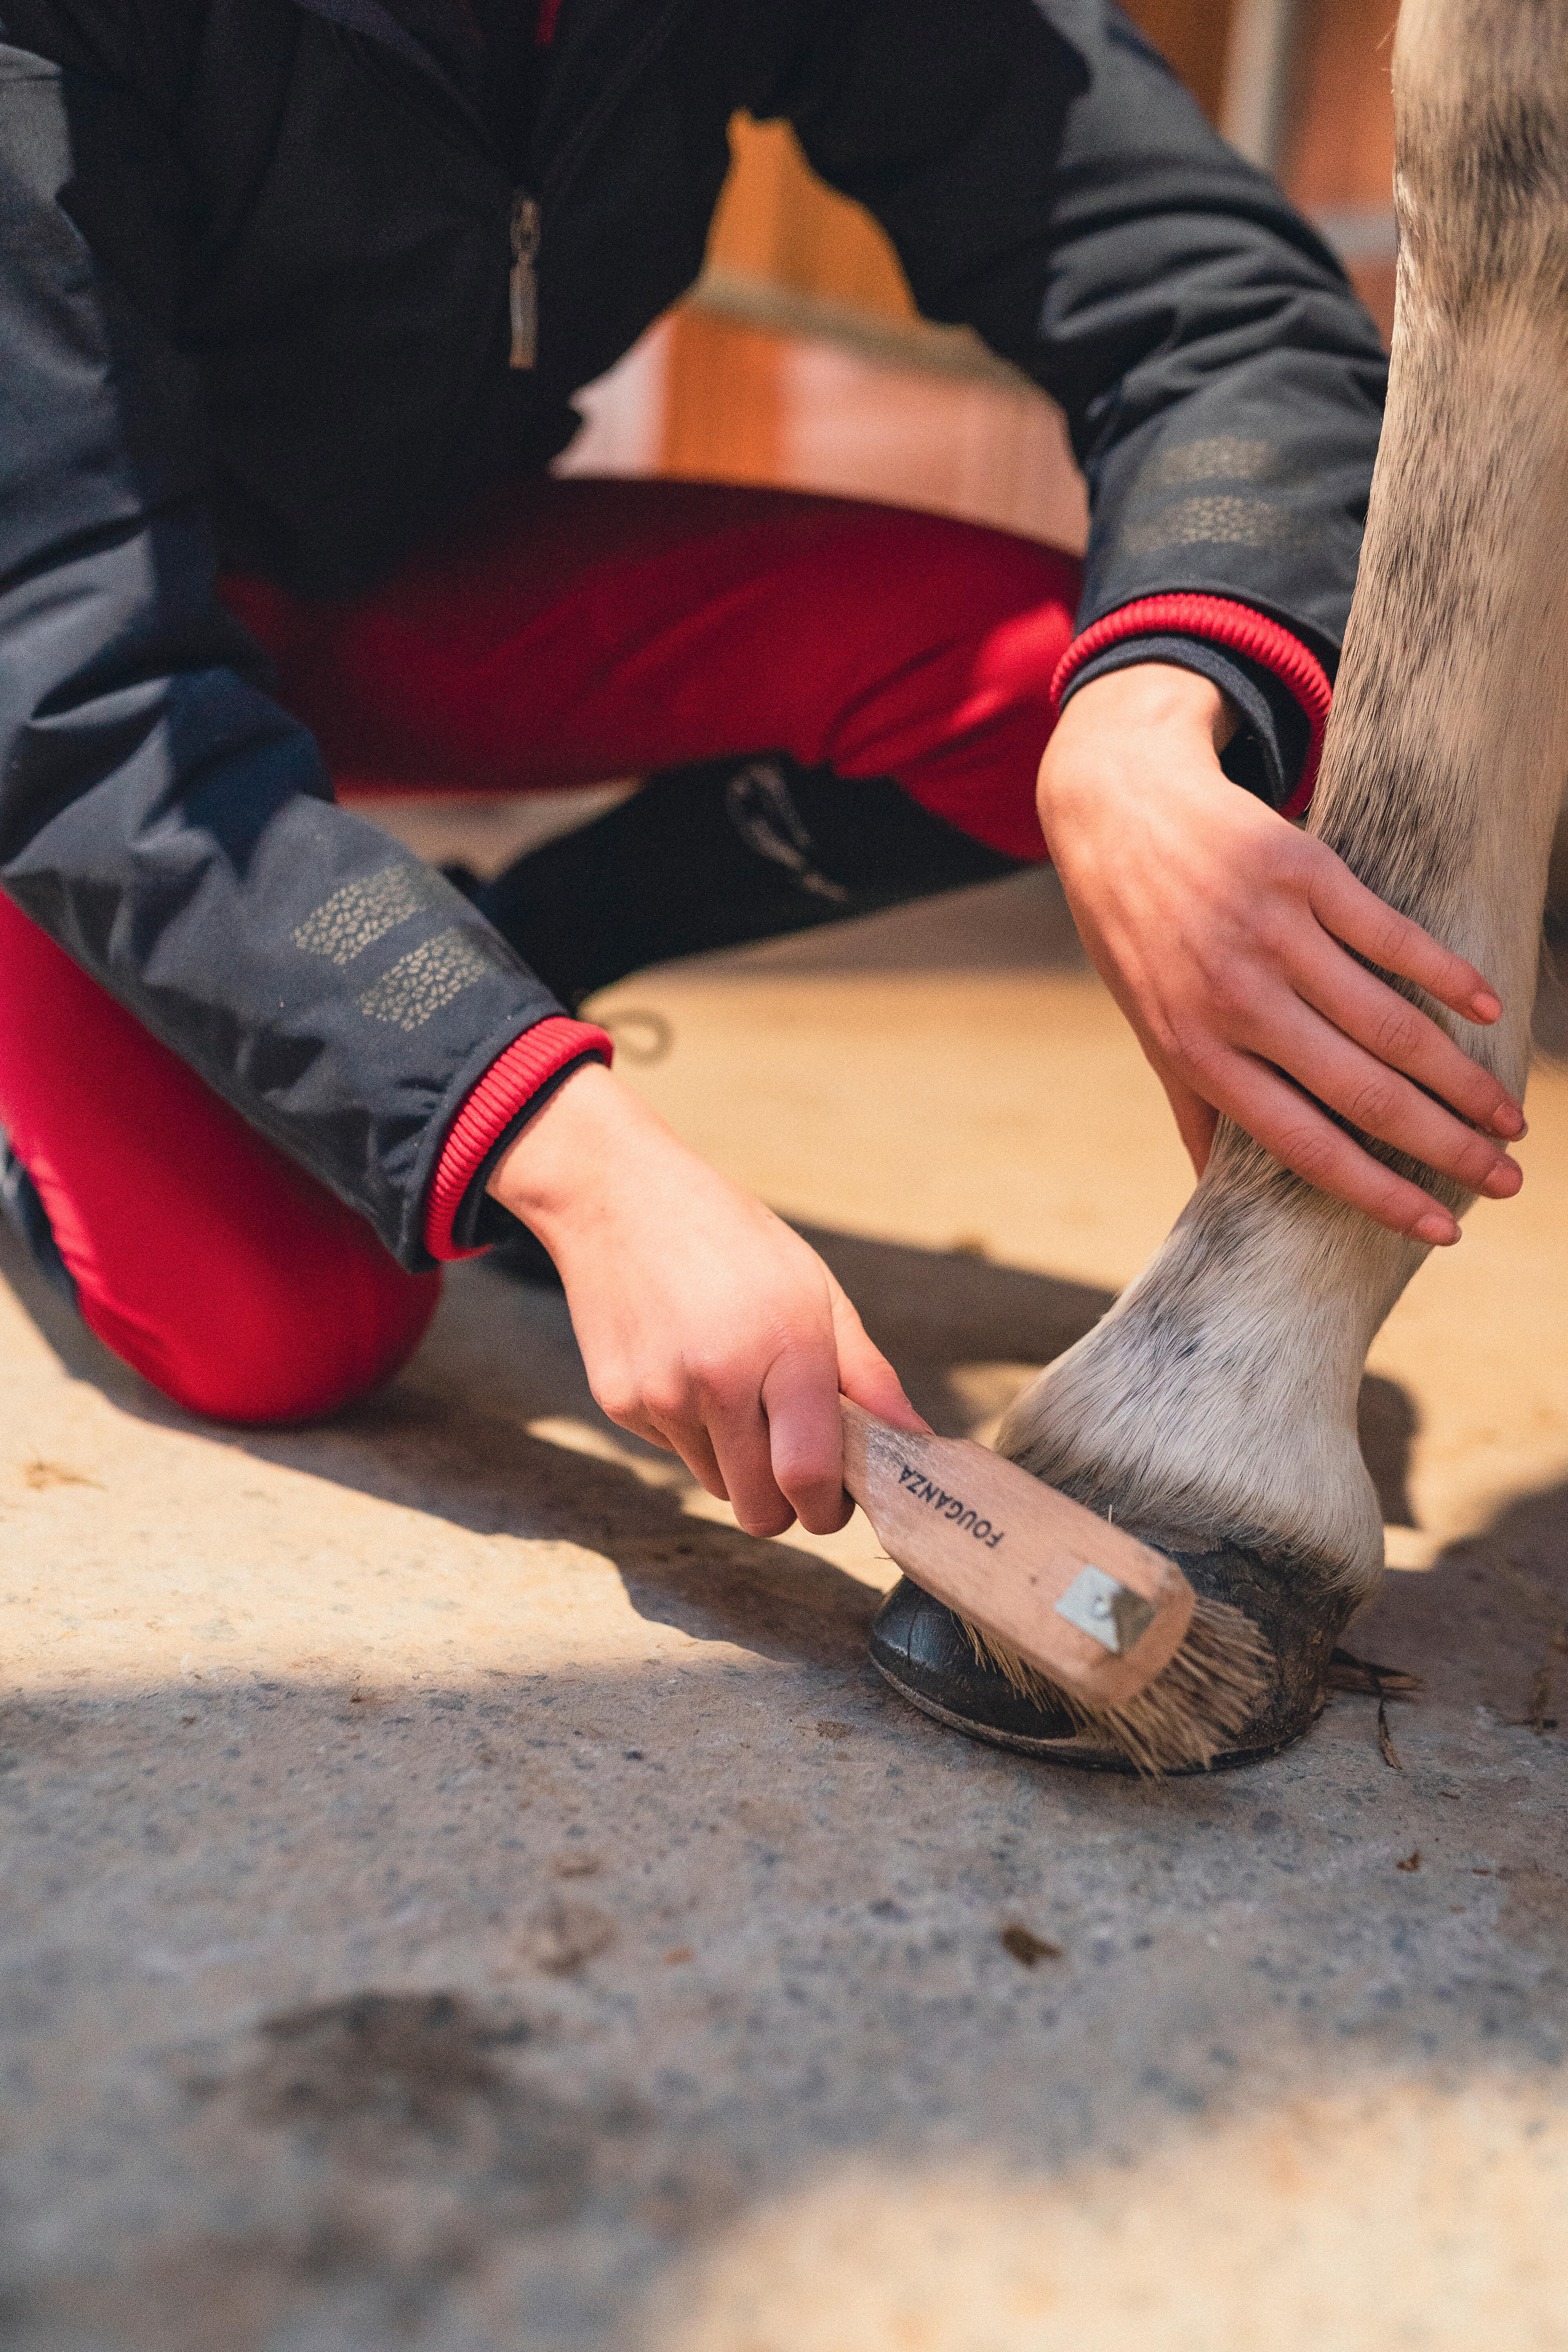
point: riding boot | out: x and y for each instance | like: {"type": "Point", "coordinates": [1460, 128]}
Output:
{"type": "Point", "coordinates": [712, 856]}
{"type": "Point", "coordinates": [717, 855]}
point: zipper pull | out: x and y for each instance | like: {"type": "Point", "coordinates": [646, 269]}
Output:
{"type": "Point", "coordinates": [524, 283]}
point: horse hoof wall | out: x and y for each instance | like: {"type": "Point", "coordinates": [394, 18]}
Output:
{"type": "Point", "coordinates": [924, 1651]}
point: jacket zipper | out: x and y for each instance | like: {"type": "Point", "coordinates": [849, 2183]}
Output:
{"type": "Point", "coordinates": [523, 284]}
{"type": "Point", "coordinates": [371, 19]}
{"type": "Point", "coordinates": [526, 211]}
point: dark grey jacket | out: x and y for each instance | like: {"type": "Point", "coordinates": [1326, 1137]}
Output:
{"type": "Point", "coordinates": [254, 260]}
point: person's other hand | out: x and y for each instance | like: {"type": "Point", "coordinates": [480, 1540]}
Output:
{"type": "Point", "coordinates": [706, 1325]}
{"type": "Point", "coordinates": [1225, 936]}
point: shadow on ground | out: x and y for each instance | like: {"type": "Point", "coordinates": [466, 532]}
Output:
{"type": "Point", "coordinates": [451, 2008]}
{"type": "Point", "coordinates": [455, 1435]}
{"type": "Point", "coordinates": [452, 2016]}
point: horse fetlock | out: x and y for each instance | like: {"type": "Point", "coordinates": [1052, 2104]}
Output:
{"type": "Point", "coordinates": [1214, 1409]}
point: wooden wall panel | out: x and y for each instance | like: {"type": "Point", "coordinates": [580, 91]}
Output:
{"type": "Point", "coordinates": [1339, 134]}
{"type": "Point", "coordinates": [1339, 137]}
{"type": "Point", "coordinates": [1193, 34]}
{"type": "Point", "coordinates": [724, 393]}
{"type": "Point", "coordinates": [734, 398]}
{"type": "Point", "coordinates": [777, 221]}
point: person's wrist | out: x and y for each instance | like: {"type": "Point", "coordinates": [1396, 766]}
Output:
{"type": "Point", "coordinates": [1154, 694]}
{"type": "Point", "coordinates": [1156, 705]}
{"type": "Point", "coordinates": [581, 1131]}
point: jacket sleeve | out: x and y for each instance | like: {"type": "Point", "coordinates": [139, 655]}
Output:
{"type": "Point", "coordinates": [161, 816]}
{"type": "Point", "coordinates": [1047, 183]}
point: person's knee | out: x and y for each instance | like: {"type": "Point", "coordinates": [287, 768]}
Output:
{"type": "Point", "coordinates": [283, 1354]}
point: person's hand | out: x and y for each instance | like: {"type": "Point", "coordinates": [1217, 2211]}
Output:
{"type": "Point", "coordinates": [1223, 934]}
{"type": "Point", "coordinates": [706, 1325]}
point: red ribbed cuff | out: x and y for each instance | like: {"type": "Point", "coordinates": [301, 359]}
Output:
{"type": "Point", "coordinates": [508, 1086]}
{"type": "Point", "coordinates": [1223, 623]}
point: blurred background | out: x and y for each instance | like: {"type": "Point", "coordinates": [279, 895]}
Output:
{"type": "Point", "coordinates": [798, 360]}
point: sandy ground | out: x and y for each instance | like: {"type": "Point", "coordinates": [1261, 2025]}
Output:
{"type": "Point", "coordinates": [460, 1892]}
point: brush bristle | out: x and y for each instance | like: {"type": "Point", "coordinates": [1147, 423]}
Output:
{"type": "Point", "coordinates": [1204, 1695]}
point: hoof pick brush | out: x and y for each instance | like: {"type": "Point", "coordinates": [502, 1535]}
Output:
{"type": "Point", "coordinates": [1075, 1611]}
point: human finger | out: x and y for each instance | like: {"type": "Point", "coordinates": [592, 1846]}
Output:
{"type": "Point", "coordinates": [1382, 1103]}
{"type": "Point", "coordinates": [865, 1375]}
{"type": "Point", "coordinates": [1394, 943]}
{"type": "Point", "coordinates": [1404, 1037]}
{"type": "Point", "coordinates": [806, 1438]}
{"type": "Point", "coordinates": [1303, 1139]}
{"type": "Point", "coordinates": [736, 1428]}
{"type": "Point", "coordinates": [1196, 1120]}
{"type": "Point", "coordinates": [673, 1427]}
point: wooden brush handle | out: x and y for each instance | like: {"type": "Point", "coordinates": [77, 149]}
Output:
{"type": "Point", "coordinates": [1006, 1552]}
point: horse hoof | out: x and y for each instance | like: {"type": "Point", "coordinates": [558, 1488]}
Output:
{"type": "Point", "coordinates": [924, 1650]}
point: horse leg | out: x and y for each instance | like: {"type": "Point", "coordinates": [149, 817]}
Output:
{"type": "Point", "coordinates": [1214, 1409]}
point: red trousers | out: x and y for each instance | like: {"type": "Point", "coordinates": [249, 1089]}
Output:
{"type": "Point", "coordinates": [572, 631]}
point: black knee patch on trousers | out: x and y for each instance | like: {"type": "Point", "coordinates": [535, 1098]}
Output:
{"type": "Point", "coordinates": [23, 1208]}
{"type": "Point", "coordinates": [719, 855]}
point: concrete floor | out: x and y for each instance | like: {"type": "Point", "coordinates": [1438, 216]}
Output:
{"type": "Point", "coordinates": [460, 1892]}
